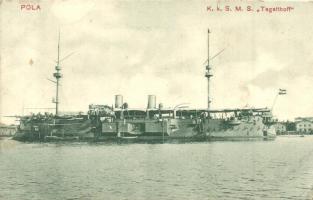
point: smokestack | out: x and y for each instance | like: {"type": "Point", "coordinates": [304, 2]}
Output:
{"type": "Point", "coordinates": [151, 102]}
{"type": "Point", "coordinates": [118, 101]}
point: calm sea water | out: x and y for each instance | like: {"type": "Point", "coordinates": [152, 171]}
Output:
{"type": "Point", "coordinates": [280, 169]}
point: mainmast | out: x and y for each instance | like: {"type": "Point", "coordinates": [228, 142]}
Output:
{"type": "Point", "coordinates": [208, 75]}
{"type": "Point", "coordinates": [57, 75]}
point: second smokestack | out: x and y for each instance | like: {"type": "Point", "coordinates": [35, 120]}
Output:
{"type": "Point", "coordinates": [151, 102]}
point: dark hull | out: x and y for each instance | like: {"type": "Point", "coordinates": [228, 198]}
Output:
{"type": "Point", "coordinates": [185, 130]}
{"type": "Point", "coordinates": [145, 139]}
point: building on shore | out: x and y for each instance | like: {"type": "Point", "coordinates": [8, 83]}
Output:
{"type": "Point", "coordinates": [7, 130]}
{"type": "Point", "coordinates": [304, 125]}
{"type": "Point", "coordinates": [280, 127]}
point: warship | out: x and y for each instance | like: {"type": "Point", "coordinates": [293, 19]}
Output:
{"type": "Point", "coordinates": [152, 123]}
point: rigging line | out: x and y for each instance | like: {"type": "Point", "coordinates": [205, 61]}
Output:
{"type": "Point", "coordinates": [274, 102]}
{"type": "Point", "coordinates": [65, 100]}
{"type": "Point", "coordinates": [214, 56]}
{"type": "Point", "coordinates": [66, 57]}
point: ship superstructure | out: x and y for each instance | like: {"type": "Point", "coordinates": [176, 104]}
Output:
{"type": "Point", "coordinates": [158, 123]}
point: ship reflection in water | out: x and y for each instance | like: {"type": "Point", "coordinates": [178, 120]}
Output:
{"type": "Point", "coordinates": [279, 169]}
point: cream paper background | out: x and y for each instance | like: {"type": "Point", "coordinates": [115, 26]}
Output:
{"type": "Point", "coordinates": [136, 48]}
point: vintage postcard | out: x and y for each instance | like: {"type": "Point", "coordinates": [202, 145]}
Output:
{"type": "Point", "coordinates": [156, 99]}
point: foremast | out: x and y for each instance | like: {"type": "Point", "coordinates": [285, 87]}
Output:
{"type": "Point", "coordinates": [57, 75]}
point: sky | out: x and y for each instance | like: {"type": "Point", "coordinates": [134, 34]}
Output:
{"type": "Point", "coordinates": [138, 48]}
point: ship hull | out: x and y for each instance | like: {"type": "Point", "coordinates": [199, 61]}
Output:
{"type": "Point", "coordinates": [141, 130]}
{"type": "Point", "coordinates": [54, 130]}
